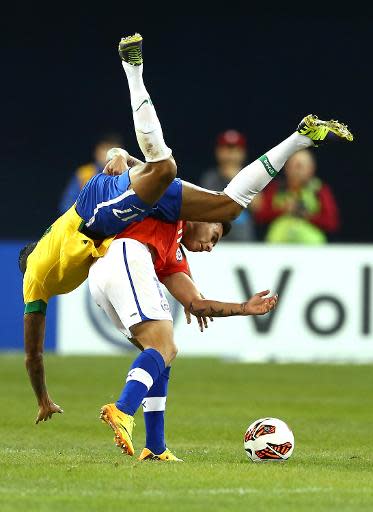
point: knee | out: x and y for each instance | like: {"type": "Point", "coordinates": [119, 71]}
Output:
{"type": "Point", "coordinates": [171, 353]}
{"type": "Point", "coordinates": [233, 211]}
{"type": "Point", "coordinates": [167, 170]}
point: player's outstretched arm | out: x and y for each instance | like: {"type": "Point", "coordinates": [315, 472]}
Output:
{"type": "Point", "coordinates": [34, 332]}
{"type": "Point", "coordinates": [184, 290]}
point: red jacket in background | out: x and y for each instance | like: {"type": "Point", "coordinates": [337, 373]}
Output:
{"type": "Point", "coordinates": [327, 218]}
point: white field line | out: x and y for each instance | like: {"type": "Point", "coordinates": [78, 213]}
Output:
{"type": "Point", "coordinates": [158, 493]}
{"type": "Point", "coordinates": [241, 491]}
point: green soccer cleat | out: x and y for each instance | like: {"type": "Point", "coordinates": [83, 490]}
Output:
{"type": "Point", "coordinates": [319, 131]}
{"type": "Point", "coordinates": [130, 49]}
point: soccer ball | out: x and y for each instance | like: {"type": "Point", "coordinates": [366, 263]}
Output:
{"type": "Point", "coordinates": [268, 439]}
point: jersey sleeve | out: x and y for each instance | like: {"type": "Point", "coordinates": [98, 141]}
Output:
{"type": "Point", "coordinates": [178, 263]}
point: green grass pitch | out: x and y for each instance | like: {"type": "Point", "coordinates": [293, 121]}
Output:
{"type": "Point", "coordinates": [71, 463]}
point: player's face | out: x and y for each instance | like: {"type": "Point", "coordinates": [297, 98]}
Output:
{"type": "Point", "coordinates": [202, 236]}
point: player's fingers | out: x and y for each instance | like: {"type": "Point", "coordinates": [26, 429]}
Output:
{"type": "Point", "coordinates": [266, 306]}
{"type": "Point", "coordinates": [272, 304]}
{"type": "Point", "coordinates": [107, 168]}
{"type": "Point", "coordinates": [188, 316]}
{"type": "Point", "coordinates": [263, 293]}
{"type": "Point", "coordinates": [200, 323]}
{"type": "Point", "coordinates": [205, 322]}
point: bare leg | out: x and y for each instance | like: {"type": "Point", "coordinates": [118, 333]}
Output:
{"type": "Point", "coordinates": [151, 179]}
{"type": "Point", "coordinates": [200, 204]}
{"type": "Point", "coordinates": [156, 334]}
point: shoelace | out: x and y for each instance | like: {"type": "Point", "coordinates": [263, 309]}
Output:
{"type": "Point", "coordinates": [134, 55]}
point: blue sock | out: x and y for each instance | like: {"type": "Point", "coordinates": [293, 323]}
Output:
{"type": "Point", "coordinates": [154, 406]}
{"type": "Point", "coordinates": [145, 370]}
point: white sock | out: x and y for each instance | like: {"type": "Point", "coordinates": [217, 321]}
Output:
{"type": "Point", "coordinates": [253, 178]}
{"type": "Point", "coordinates": [147, 126]}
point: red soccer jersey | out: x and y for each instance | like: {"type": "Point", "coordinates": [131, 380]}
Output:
{"type": "Point", "coordinates": [164, 240]}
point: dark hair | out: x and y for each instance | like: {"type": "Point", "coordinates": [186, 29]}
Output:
{"type": "Point", "coordinates": [24, 254]}
{"type": "Point", "coordinates": [227, 226]}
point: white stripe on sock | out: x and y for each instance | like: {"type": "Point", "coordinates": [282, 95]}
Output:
{"type": "Point", "coordinates": [154, 403]}
{"type": "Point", "coordinates": [141, 376]}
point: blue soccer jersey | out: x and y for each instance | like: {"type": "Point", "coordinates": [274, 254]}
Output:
{"type": "Point", "coordinates": [108, 206]}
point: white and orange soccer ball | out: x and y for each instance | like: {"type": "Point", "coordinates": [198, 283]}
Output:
{"type": "Point", "coordinates": [268, 439]}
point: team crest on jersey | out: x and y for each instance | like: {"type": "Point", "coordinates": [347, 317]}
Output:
{"type": "Point", "coordinates": [179, 254]}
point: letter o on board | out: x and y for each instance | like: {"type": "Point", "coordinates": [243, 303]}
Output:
{"type": "Point", "coordinates": [340, 314]}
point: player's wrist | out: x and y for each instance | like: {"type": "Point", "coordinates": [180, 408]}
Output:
{"type": "Point", "coordinates": [44, 400]}
{"type": "Point", "coordinates": [245, 309]}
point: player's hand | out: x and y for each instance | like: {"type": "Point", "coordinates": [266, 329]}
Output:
{"type": "Point", "coordinates": [118, 162]}
{"type": "Point", "coordinates": [260, 304]}
{"type": "Point", "coordinates": [202, 320]}
{"type": "Point", "coordinates": [46, 409]}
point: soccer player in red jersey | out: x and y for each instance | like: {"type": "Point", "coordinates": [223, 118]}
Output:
{"type": "Point", "coordinates": [126, 284]}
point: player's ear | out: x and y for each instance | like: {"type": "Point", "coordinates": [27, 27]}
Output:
{"type": "Point", "coordinates": [227, 226]}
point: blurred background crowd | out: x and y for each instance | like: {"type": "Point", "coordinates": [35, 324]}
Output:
{"type": "Point", "coordinates": [221, 107]}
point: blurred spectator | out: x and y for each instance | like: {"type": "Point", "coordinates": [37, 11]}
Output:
{"type": "Point", "coordinates": [230, 154]}
{"type": "Point", "coordinates": [85, 172]}
{"type": "Point", "coordinates": [298, 206]}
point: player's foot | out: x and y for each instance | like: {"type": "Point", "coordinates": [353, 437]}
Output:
{"type": "Point", "coordinates": [319, 131]}
{"type": "Point", "coordinates": [122, 424]}
{"type": "Point", "coordinates": [130, 49]}
{"type": "Point", "coordinates": [166, 456]}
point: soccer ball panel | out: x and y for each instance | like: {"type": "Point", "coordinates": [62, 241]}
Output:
{"type": "Point", "coordinates": [268, 439]}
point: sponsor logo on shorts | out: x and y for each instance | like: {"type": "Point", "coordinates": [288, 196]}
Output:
{"type": "Point", "coordinates": [179, 254]}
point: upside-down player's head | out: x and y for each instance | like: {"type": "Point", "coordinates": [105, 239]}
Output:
{"type": "Point", "coordinates": [203, 236]}
{"type": "Point", "coordinates": [24, 254]}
